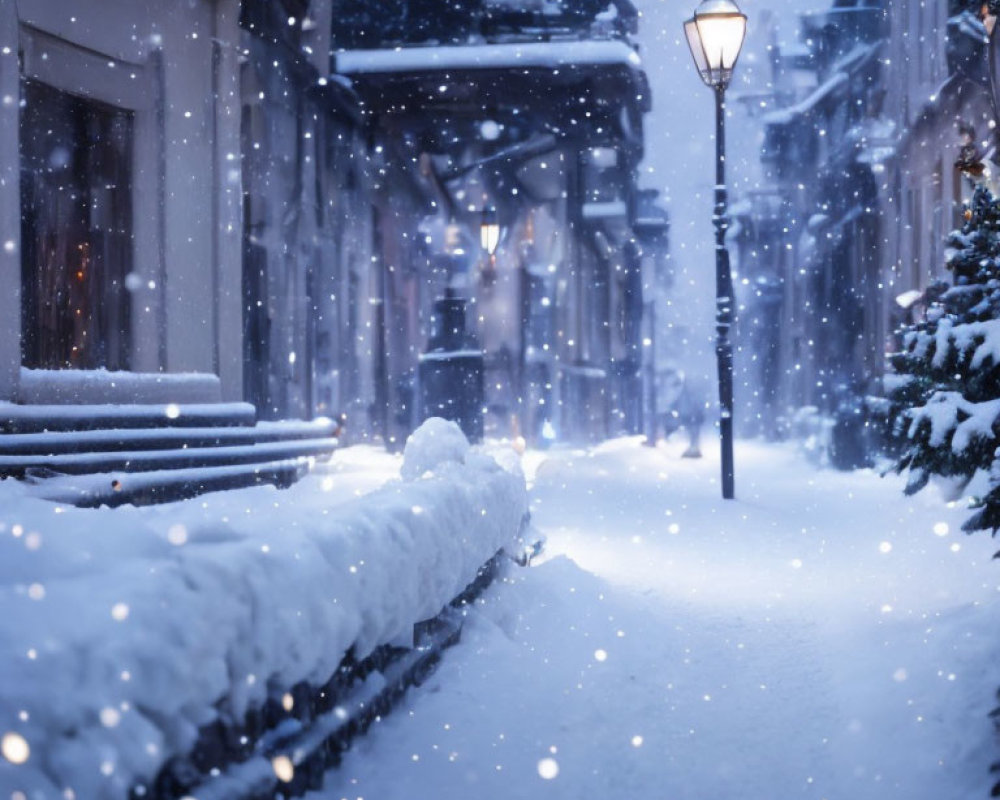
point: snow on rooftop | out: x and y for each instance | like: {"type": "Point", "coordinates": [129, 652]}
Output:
{"type": "Point", "coordinates": [548, 55]}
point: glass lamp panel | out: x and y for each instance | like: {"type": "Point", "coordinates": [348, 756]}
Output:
{"type": "Point", "coordinates": [697, 51]}
{"type": "Point", "coordinates": [489, 230]}
{"type": "Point", "coordinates": [722, 37]}
{"type": "Point", "coordinates": [489, 236]}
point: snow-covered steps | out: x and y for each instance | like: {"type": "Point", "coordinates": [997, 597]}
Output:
{"type": "Point", "coordinates": [144, 454]}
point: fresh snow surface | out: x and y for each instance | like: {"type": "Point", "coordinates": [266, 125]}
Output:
{"type": "Point", "coordinates": [123, 630]}
{"type": "Point", "coordinates": [822, 636]}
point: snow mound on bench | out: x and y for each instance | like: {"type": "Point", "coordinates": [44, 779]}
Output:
{"type": "Point", "coordinates": [126, 630]}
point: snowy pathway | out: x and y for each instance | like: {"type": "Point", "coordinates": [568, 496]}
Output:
{"type": "Point", "coordinates": [821, 637]}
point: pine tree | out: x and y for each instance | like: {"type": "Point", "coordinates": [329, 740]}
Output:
{"type": "Point", "coordinates": [946, 388]}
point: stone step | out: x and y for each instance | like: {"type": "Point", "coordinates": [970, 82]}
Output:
{"type": "Point", "coordinates": [21, 466]}
{"type": "Point", "coordinates": [163, 486]}
{"type": "Point", "coordinates": [48, 443]}
{"type": "Point", "coordinates": [16, 418]}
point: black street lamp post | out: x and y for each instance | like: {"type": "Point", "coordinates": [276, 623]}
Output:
{"type": "Point", "coordinates": [715, 35]}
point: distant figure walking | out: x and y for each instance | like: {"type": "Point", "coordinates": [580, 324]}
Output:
{"type": "Point", "coordinates": [680, 404]}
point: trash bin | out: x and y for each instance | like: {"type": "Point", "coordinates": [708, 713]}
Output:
{"type": "Point", "coordinates": [452, 370]}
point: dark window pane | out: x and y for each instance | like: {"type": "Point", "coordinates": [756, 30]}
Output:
{"type": "Point", "coordinates": [76, 229]}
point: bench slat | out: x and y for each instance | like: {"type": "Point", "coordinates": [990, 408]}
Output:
{"type": "Point", "coordinates": [116, 440]}
{"type": "Point", "coordinates": [163, 486]}
{"type": "Point", "coordinates": [182, 458]}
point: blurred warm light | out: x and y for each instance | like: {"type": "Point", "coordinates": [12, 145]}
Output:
{"type": "Point", "coordinates": [14, 747]}
{"type": "Point", "coordinates": [283, 768]}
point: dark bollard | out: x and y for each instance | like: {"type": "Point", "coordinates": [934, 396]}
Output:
{"type": "Point", "coordinates": [452, 369]}
{"type": "Point", "coordinates": [848, 440]}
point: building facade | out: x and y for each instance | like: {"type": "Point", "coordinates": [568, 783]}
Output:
{"type": "Point", "coordinates": [809, 236]}
{"type": "Point", "coordinates": [261, 200]}
{"type": "Point", "coordinates": [848, 225]}
{"type": "Point", "coordinates": [120, 228]}
{"type": "Point", "coordinates": [185, 205]}
{"type": "Point", "coordinates": [307, 225]}
{"type": "Point", "coordinates": [945, 81]}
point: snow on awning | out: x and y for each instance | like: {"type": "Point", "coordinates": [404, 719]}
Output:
{"type": "Point", "coordinates": [845, 67]}
{"type": "Point", "coordinates": [741, 208]}
{"type": "Point", "coordinates": [970, 25]}
{"type": "Point", "coordinates": [606, 210]}
{"type": "Point", "coordinates": [785, 115]}
{"type": "Point", "coordinates": [826, 233]}
{"type": "Point", "coordinates": [449, 355]}
{"type": "Point", "coordinates": [651, 222]}
{"type": "Point", "coordinates": [876, 141]}
{"type": "Point", "coordinates": [549, 55]}
{"type": "Point", "coordinates": [876, 155]}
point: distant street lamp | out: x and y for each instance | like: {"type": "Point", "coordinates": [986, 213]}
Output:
{"type": "Point", "coordinates": [489, 230]}
{"type": "Point", "coordinates": [715, 35]}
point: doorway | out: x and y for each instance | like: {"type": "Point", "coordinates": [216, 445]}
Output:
{"type": "Point", "coordinates": [76, 230]}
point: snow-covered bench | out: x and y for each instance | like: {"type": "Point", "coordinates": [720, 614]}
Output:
{"type": "Point", "coordinates": [94, 455]}
{"type": "Point", "coordinates": [231, 647]}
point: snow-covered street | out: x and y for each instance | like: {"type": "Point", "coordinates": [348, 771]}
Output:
{"type": "Point", "coordinates": [822, 636]}
{"type": "Point", "coordinates": [332, 337]}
